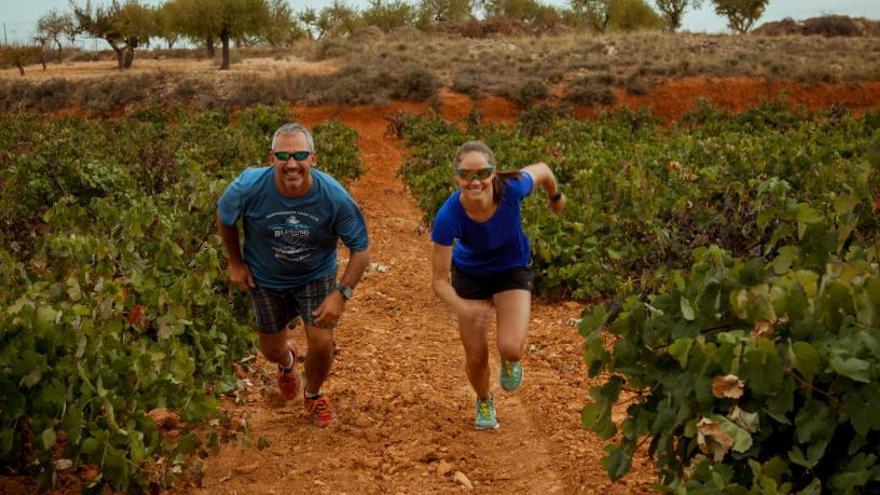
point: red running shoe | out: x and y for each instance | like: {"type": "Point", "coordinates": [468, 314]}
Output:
{"type": "Point", "coordinates": [321, 411]}
{"type": "Point", "coordinates": [288, 381]}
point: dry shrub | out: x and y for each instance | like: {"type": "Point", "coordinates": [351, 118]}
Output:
{"type": "Point", "coordinates": [589, 91]}
{"type": "Point", "coordinates": [415, 84]}
{"type": "Point", "coordinates": [193, 91]}
{"type": "Point", "coordinates": [828, 26]}
{"type": "Point", "coordinates": [332, 48]}
{"type": "Point", "coordinates": [832, 25]}
{"type": "Point", "coordinates": [532, 90]}
{"type": "Point", "coordinates": [467, 82]}
{"type": "Point", "coordinates": [47, 96]}
{"type": "Point", "coordinates": [105, 95]}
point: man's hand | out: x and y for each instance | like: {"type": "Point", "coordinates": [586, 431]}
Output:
{"type": "Point", "coordinates": [241, 276]}
{"type": "Point", "coordinates": [330, 310]}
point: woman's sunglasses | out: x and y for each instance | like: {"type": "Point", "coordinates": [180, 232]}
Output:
{"type": "Point", "coordinates": [296, 155]}
{"type": "Point", "coordinates": [470, 174]}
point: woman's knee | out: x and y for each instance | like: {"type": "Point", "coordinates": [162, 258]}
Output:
{"type": "Point", "coordinates": [510, 350]}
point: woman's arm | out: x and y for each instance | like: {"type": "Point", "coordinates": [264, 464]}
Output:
{"type": "Point", "coordinates": [442, 265]}
{"type": "Point", "coordinates": [544, 178]}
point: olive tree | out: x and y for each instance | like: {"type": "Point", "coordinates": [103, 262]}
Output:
{"type": "Point", "coordinates": [52, 27]}
{"type": "Point", "coordinates": [741, 14]}
{"type": "Point", "coordinates": [123, 25]}
{"type": "Point", "coordinates": [674, 10]}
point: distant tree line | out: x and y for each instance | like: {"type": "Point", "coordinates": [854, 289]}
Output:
{"type": "Point", "coordinates": [127, 25]}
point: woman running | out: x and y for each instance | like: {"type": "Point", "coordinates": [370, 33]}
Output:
{"type": "Point", "coordinates": [490, 264]}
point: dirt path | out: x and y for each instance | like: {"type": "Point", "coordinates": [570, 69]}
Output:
{"type": "Point", "coordinates": [405, 407]}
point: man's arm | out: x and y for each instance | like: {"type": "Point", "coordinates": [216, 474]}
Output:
{"type": "Point", "coordinates": [333, 305]}
{"type": "Point", "coordinates": [239, 273]}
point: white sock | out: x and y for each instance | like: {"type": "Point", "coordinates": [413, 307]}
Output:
{"type": "Point", "coordinates": [290, 362]}
{"type": "Point", "coordinates": [313, 396]}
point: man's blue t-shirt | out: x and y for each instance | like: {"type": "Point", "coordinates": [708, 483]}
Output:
{"type": "Point", "coordinates": [486, 248]}
{"type": "Point", "coordinates": [288, 242]}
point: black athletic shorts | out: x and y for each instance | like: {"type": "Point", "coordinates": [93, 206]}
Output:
{"type": "Point", "coordinates": [275, 308]}
{"type": "Point", "coordinates": [475, 287]}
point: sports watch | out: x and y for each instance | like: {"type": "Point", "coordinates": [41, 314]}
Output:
{"type": "Point", "coordinates": [344, 290]}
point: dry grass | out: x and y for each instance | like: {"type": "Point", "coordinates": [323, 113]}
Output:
{"type": "Point", "coordinates": [372, 68]}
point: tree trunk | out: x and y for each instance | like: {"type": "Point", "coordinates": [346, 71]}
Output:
{"type": "Point", "coordinates": [60, 51]}
{"type": "Point", "coordinates": [129, 56]}
{"type": "Point", "coordinates": [209, 43]}
{"type": "Point", "coordinates": [43, 59]}
{"type": "Point", "coordinates": [20, 68]}
{"type": "Point", "coordinates": [224, 38]}
{"type": "Point", "coordinates": [118, 50]}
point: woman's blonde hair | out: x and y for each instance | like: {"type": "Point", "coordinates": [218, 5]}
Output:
{"type": "Point", "coordinates": [499, 180]}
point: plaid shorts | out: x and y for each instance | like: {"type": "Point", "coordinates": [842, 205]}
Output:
{"type": "Point", "coordinates": [275, 308]}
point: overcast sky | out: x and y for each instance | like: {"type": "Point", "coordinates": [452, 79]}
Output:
{"type": "Point", "coordinates": [19, 17]}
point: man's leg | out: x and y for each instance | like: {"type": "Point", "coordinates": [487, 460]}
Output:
{"type": "Point", "coordinates": [274, 347]}
{"type": "Point", "coordinates": [319, 357]}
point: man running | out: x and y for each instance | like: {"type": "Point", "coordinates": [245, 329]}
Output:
{"type": "Point", "coordinates": [293, 216]}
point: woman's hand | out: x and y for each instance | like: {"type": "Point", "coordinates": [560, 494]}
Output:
{"type": "Point", "coordinates": [475, 314]}
{"type": "Point", "coordinates": [558, 205]}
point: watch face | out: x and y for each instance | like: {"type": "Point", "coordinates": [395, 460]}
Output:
{"type": "Point", "coordinates": [344, 290]}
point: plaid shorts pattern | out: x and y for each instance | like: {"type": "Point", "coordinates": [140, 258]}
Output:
{"type": "Point", "coordinates": [275, 308]}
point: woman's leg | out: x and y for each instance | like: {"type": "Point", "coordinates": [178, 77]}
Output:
{"type": "Point", "coordinates": [473, 329]}
{"type": "Point", "coordinates": [512, 308]}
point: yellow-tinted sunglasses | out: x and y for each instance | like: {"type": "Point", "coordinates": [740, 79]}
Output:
{"type": "Point", "coordinates": [471, 174]}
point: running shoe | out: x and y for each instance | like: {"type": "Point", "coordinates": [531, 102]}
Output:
{"type": "Point", "coordinates": [511, 375]}
{"type": "Point", "coordinates": [486, 414]}
{"type": "Point", "coordinates": [288, 380]}
{"type": "Point", "coordinates": [321, 411]}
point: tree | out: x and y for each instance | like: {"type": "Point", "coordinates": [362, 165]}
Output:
{"type": "Point", "coordinates": [309, 19]}
{"type": "Point", "coordinates": [632, 15]}
{"type": "Point", "coordinates": [52, 27]}
{"type": "Point", "coordinates": [20, 55]}
{"type": "Point", "coordinates": [741, 14]}
{"type": "Point", "coordinates": [529, 11]}
{"type": "Point", "coordinates": [443, 11]}
{"type": "Point", "coordinates": [237, 19]}
{"type": "Point", "coordinates": [337, 20]}
{"type": "Point", "coordinates": [387, 15]}
{"type": "Point", "coordinates": [199, 21]}
{"type": "Point", "coordinates": [282, 28]}
{"type": "Point", "coordinates": [674, 10]}
{"type": "Point", "coordinates": [594, 12]}
{"type": "Point", "coordinates": [167, 22]}
{"type": "Point", "coordinates": [124, 26]}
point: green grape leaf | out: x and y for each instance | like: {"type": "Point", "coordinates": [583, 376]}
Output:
{"type": "Point", "coordinates": [686, 309]}
{"type": "Point", "coordinates": [806, 359]}
{"type": "Point", "coordinates": [852, 368]}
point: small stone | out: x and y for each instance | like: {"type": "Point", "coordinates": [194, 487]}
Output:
{"type": "Point", "coordinates": [249, 468]}
{"type": "Point", "coordinates": [443, 468]}
{"type": "Point", "coordinates": [463, 480]}
{"type": "Point", "coordinates": [63, 464]}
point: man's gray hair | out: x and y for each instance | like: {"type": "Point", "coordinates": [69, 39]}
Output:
{"type": "Point", "coordinates": [293, 129]}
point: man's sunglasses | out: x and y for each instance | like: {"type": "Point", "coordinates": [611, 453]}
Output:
{"type": "Point", "coordinates": [471, 174]}
{"type": "Point", "coordinates": [297, 155]}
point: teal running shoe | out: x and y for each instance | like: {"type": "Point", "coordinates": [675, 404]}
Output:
{"type": "Point", "coordinates": [486, 415]}
{"type": "Point", "coordinates": [511, 375]}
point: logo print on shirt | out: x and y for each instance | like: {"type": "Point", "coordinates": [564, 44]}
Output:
{"type": "Point", "coordinates": [292, 220]}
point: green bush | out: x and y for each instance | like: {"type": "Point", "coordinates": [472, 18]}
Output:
{"type": "Point", "coordinates": [115, 299]}
{"type": "Point", "coordinates": [749, 375]}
